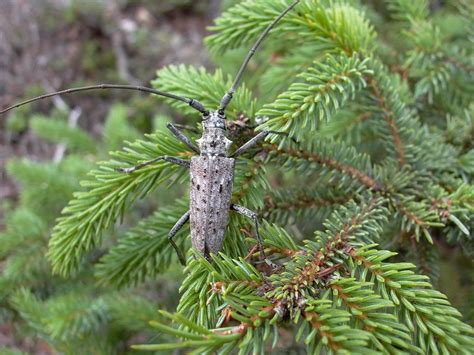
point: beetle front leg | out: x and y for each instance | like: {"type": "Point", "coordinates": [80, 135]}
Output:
{"type": "Point", "coordinates": [177, 161]}
{"type": "Point", "coordinates": [181, 222]}
{"type": "Point", "coordinates": [254, 216]}
{"type": "Point", "coordinates": [178, 134]}
{"type": "Point", "coordinates": [251, 143]}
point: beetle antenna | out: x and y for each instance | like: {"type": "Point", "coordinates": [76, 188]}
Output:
{"type": "Point", "coordinates": [228, 96]}
{"type": "Point", "coordinates": [191, 102]}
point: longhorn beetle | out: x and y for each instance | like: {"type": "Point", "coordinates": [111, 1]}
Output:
{"type": "Point", "coordinates": [212, 171]}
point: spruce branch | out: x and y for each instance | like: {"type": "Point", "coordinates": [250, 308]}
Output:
{"type": "Point", "coordinates": [389, 117]}
{"type": "Point", "coordinates": [434, 64]}
{"type": "Point", "coordinates": [29, 306]}
{"type": "Point", "coordinates": [66, 317]}
{"type": "Point", "coordinates": [278, 241]}
{"type": "Point", "coordinates": [60, 132]}
{"type": "Point", "coordinates": [415, 216]}
{"type": "Point", "coordinates": [74, 316]}
{"type": "Point", "coordinates": [406, 10]}
{"type": "Point", "coordinates": [130, 312]}
{"type": "Point", "coordinates": [23, 228]}
{"type": "Point", "coordinates": [144, 251]}
{"type": "Point", "coordinates": [439, 67]}
{"type": "Point", "coordinates": [205, 87]}
{"type": "Point", "coordinates": [46, 185]}
{"type": "Point", "coordinates": [425, 311]}
{"type": "Point", "coordinates": [301, 204]}
{"type": "Point", "coordinates": [330, 330]}
{"type": "Point", "coordinates": [117, 129]}
{"type": "Point", "coordinates": [395, 169]}
{"type": "Point", "coordinates": [195, 303]}
{"type": "Point", "coordinates": [331, 311]}
{"type": "Point", "coordinates": [79, 230]}
{"type": "Point", "coordinates": [323, 22]}
{"type": "Point", "coordinates": [334, 157]}
{"type": "Point", "coordinates": [373, 314]}
{"type": "Point", "coordinates": [283, 69]}
{"type": "Point", "coordinates": [243, 23]}
{"type": "Point", "coordinates": [427, 259]}
{"type": "Point", "coordinates": [324, 88]}
{"type": "Point", "coordinates": [250, 183]}
{"type": "Point", "coordinates": [305, 272]}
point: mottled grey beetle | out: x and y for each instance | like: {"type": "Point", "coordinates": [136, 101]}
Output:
{"type": "Point", "coordinates": [212, 172]}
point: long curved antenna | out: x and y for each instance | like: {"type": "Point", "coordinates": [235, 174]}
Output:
{"type": "Point", "coordinates": [228, 96]}
{"type": "Point", "coordinates": [191, 102]}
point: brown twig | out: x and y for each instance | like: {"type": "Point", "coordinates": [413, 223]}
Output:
{"type": "Point", "coordinates": [389, 118]}
{"type": "Point", "coordinates": [353, 172]}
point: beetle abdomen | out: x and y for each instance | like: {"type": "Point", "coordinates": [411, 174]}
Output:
{"type": "Point", "coordinates": [211, 191]}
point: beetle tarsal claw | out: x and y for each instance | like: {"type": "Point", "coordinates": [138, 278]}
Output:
{"type": "Point", "coordinates": [271, 264]}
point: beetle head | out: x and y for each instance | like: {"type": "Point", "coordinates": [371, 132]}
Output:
{"type": "Point", "coordinates": [215, 119]}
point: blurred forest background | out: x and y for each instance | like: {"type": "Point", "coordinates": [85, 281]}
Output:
{"type": "Point", "coordinates": [48, 45]}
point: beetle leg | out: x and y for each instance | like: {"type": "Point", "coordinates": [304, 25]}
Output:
{"type": "Point", "coordinates": [251, 143]}
{"type": "Point", "coordinates": [177, 161]}
{"type": "Point", "coordinates": [252, 215]}
{"type": "Point", "coordinates": [181, 222]}
{"type": "Point", "coordinates": [178, 134]}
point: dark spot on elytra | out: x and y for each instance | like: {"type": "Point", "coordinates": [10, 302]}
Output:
{"type": "Point", "coordinates": [198, 187]}
{"type": "Point", "coordinates": [213, 144]}
{"type": "Point", "coordinates": [214, 230]}
{"type": "Point", "coordinates": [204, 200]}
{"type": "Point", "coordinates": [220, 189]}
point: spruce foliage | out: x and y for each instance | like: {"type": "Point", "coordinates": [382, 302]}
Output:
{"type": "Point", "coordinates": [71, 315]}
{"type": "Point", "coordinates": [372, 183]}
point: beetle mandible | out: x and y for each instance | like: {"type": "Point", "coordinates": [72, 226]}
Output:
{"type": "Point", "coordinates": [211, 172]}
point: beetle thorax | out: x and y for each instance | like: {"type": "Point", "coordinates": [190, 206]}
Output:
{"type": "Point", "coordinates": [214, 140]}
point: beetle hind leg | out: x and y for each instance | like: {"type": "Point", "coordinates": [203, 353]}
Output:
{"type": "Point", "coordinates": [181, 222]}
{"type": "Point", "coordinates": [253, 216]}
